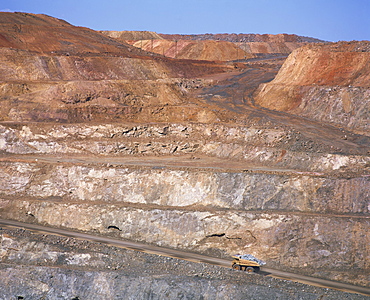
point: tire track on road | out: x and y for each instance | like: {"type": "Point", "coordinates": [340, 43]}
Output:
{"type": "Point", "coordinates": [194, 257]}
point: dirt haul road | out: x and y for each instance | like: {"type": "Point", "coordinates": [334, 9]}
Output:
{"type": "Point", "coordinates": [194, 257]}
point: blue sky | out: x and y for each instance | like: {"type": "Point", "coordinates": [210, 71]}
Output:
{"type": "Point", "coordinates": [330, 20]}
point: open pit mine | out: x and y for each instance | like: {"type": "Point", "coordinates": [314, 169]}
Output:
{"type": "Point", "coordinates": [207, 145]}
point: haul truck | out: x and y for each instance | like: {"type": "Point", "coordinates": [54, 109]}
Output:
{"type": "Point", "coordinates": [246, 262]}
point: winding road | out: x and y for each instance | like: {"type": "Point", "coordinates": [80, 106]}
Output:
{"type": "Point", "coordinates": [194, 257]}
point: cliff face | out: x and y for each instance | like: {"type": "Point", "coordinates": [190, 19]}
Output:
{"type": "Point", "coordinates": [99, 136]}
{"type": "Point", "coordinates": [328, 83]}
{"type": "Point", "coordinates": [208, 196]}
{"type": "Point", "coordinates": [208, 212]}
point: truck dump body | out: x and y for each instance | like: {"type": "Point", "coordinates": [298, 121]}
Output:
{"type": "Point", "coordinates": [247, 262]}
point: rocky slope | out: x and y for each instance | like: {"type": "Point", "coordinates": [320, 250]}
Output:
{"type": "Point", "coordinates": [45, 34]}
{"type": "Point", "coordinates": [64, 268]}
{"type": "Point", "coordinates": [248, 44]}
{"type": "Point", "coordinates": [77, 75]}
{"type": "Point", "coordinates": [328, 83]}
{"type": "Point", "coordinates": [200, 192]}
{"type": "Point", "coordinates": [219, 47]}
{"type": "Point", "coordinates": [200, 50]}
{"type": "Point", "coordinates": [252, 43]}
{"type": "Point", "coordinates": [99, 136]}
{"type": "Point", "coordinates": [132, 35]}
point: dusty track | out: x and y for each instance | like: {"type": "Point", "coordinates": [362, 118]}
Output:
{"type": "Point", "coordinates": [185, 256]}
{"type": "Point", "coordinates": [160, 162]}
{"type": "Point", "coordinates": [237, 97]}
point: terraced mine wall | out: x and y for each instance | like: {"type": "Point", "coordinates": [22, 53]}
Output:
{"type": "Point", "coordinates": [276, 147]}
{"type": "Point", "coordinates": [56, 267]}
{"type": "Point", "coordinates": [199, 50]}
{"type": "Point", "coordinates": [212, 47]}
{"type": "Point", "coordinates": [294, 219]}
{"type": "Point", "coordinates": [102, 137]}
{"type": "Point", "coordinates": [328, 83]}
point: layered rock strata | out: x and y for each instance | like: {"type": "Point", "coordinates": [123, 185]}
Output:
{"type": "Point", "coordinates": [102, 137]}
{"type": "Point", "coordinates": [251, 43]}
{"type": "Point", "coordinates": [288, 216]}
{"type": "Point", "coordinates": [254, 146]}
{"type": "Point", "coordinates": [64, 268]}
{"type": "Point", "coordinates": [219, 47]}
{"type": "Point", "coordinates": [328, 83]}
{"type": "Point", "coordinates": [270, 216]}
{"type": "Point", "coordinates": [199, 50]}
{"type": "Point", "coordinates": [76, 74]}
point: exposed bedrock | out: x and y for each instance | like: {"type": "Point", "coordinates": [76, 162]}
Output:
{"type": "Point", "coordinates": [22, 65]}
{"type": "Point", "coordinates": [214, 50]}
{"type": "Point", "coordinates": [36, 266]}
{"type": "Point", "coordinates": [31, 282]}
{"type": "Point", "coordinates": [335, 246]}
{"type": "Point", "coordinates": [198, 50]}
{"type": "Point", "coordinates": [218, 47]}
{"type": "Point", "coordinates": [162, 100]}
{"type": "Point", "coordinates": [290, 221]}
{"type": "Point", "coordinates": [181, 188]}
{"type": "Point", "coordinates": [275, 147]}
{"type": "Point", "coordinates": [326, 82]}
{"type": "Point", "coordinates": [25, 65]}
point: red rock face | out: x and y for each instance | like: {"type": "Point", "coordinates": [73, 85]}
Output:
{"type": "Point", "coordinates": [222, 47]}
{"type": "Point", "coordinates": [339, 64]}
{"type": "Point", "coordinates": [326, 82]}
{"type": "Point", "coordinates": [198, 50]}
{"type": "Point", "coordinates": [51, 70]}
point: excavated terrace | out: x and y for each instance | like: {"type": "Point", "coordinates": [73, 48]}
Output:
{"type": "Point", "coordinates": [178, 153]}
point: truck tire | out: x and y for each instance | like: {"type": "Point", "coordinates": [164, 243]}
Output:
{"type": "Point", "coordinates": [235, 267]}
{"type": "Point", "coordinates": [249, 269]}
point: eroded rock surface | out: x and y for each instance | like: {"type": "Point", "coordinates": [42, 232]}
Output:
{"type": "Point", "coordinates": [211, 157]}
{"type": "Point", "coordinates": [328, 83]}
{"type": "Point", "coordinates": [219, 47]}
{"type": "Point", "coordinates": [199, 50]}
{"type": "Point", "coordinates": [79, 75]}
{"type": "Point", "coordinates": [64, 268]}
